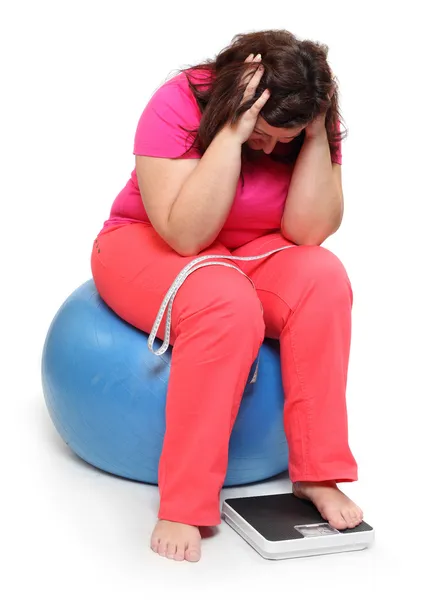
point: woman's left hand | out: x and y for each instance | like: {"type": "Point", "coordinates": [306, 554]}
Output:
{"type": "Point", "coordinates": [317, 126]}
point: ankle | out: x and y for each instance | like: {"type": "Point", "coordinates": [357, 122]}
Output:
{"type": "Point", "coordinates": [329, 483]}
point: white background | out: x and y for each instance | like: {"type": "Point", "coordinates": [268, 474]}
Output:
{"type": "Point", "coordinates": [75, 77]}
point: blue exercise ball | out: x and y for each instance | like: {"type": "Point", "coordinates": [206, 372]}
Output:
{"type": "Point", "coordinates": [106, 394]}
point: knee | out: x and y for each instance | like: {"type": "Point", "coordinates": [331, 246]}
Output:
{"type": "Point", "coordinates": [225, 303]}
{"type": "Point", "coordinates": [325, 274]}
{"type": "Point", "coordinates": [240, 313]}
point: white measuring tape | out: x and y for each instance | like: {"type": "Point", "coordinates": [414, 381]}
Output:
{"type": "Point", "coordinates": [197, 263]}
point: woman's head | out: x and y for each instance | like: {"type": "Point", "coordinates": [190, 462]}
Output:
{"type": "Point", "coordinates": [298, 76]}
{"type": "Point", "coordinates": [265, 137]}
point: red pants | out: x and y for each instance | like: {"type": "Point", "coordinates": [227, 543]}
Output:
{"type": "Point", "coordinates": [302, 296]}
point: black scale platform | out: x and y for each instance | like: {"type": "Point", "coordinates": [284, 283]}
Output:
{"type": "Point", "coordinates": [276, 516]}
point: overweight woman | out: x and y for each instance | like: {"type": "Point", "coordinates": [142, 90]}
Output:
{"type": "Point", "coordinates": [238, 164]}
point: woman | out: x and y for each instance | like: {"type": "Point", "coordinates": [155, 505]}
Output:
{"type": "Point", "coordinates": [238, 157]}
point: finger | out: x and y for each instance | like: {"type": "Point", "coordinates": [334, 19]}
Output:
{"type": "Point", "coordinates": [260, 103]}
{"type": "Point", "coordinates": [252, 60]}
{"type": "Point", "coordinates": [250, 90]}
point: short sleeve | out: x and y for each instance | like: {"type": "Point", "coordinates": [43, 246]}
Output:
{"type": "Point", "coordinates": [159, 132]}
{"type": "Point", "coordinates": [336, 154]}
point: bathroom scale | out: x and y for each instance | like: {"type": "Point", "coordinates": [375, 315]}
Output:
{"type": "Point", "coordinates": [283, 526]}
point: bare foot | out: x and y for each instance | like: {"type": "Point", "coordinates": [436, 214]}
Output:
{"type": "Point", "coordinates": [176, 541]}
{"type": "Point", "coordinates": [334, 506]}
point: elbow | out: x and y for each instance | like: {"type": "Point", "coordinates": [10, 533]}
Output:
{"type": "Point", "coordinates": [300, 238]}
{"type": "Point", "coordinates": [187, 251]}
{"type": "Point", "coordinates": [178, 241]}
{"type": "Point", "coordinates": [305, 239]}
{"type": "Point", "coordinates": [184, 247]}
{"type": "Point", "coordinates": [181, 241]}
{"type": "Point", "coordinates": [310, 236]}
{"type": "Point", "coordinates": [187, 243]}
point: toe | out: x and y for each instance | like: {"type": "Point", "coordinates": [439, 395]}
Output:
{"type": "Point", "coordinates": [162, 548]}
{"type": "Point", "coordinates": [155, 544]}
{"type": "Point", "coordinates": [352, 517]}
{"type": "Point", "coordinates": [192, 553]}
{"type": "Point", "coordinates": [171, 550]}
{"type": "Point", "coordinates": [337, 521]}
{"type": "Point", "coordinates": [180, 552]}
{"type": "Point", "coordinates": [349, 518]}
{"type": "Point", "coordinates": [358, 517]}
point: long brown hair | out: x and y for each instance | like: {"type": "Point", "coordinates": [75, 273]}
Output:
{"type": "Point", "coordinates": [295, 71]}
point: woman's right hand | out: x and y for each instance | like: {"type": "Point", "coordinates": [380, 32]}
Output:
{"type": "Point", "coordinates": [247, 122]}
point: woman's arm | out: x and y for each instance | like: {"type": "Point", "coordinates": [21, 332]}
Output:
{"type": "Point", "coordinates": [314, 206]}
{"type": "Point", "coordinates": [188, 201]}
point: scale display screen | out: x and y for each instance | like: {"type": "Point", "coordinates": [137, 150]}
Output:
{"type": "Point", "coordinates": [316, 530]}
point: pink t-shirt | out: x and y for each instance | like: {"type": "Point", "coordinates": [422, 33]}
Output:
{"type": "Point", "coordinates": [258, 205]}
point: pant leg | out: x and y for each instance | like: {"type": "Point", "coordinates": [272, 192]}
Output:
{"type": "Point", "coordinates": [217, 330]}
{"type": "Point", "coordinates": [307, 300]}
